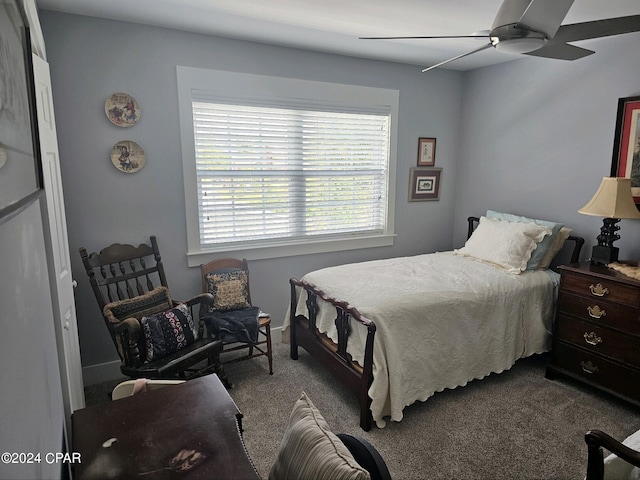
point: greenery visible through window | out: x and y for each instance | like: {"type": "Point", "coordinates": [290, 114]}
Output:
{"type": "Point", "coordinates": [268, 174]}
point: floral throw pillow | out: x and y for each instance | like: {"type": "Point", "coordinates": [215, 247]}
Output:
{"type": "Point", "coordinates": [230, 290]}
{"type": "Point", "coordinates": [167, 332]}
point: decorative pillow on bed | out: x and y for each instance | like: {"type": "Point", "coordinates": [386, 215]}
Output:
{"type": "Point", "coordinates": [542, 248]}
{"type": "Point", "coordinates": [230, 290]}
{"type": "Point", "coordinates": [310, 450]}
{"type": "Point", "coordinates": [167, 332]}
{"type": "Point", "coordinates": [506, 244]}
{"type": "Point", "coordinates": [556, 245]}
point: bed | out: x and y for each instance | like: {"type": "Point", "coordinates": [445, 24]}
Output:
{"type": "Point", "coordinates": [396, 331]}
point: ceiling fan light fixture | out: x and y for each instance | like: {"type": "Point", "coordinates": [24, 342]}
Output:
{"type": "Point", "coordinates": [535, 27]}
{"type": "Point", "coordinates": [518, 45]}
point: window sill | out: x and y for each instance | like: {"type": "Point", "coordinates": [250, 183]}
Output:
{"type": "Point", "coordinates": [256, 252]}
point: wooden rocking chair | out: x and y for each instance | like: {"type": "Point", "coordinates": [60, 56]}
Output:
{"type": "Point", "coordinates": [156, 337]}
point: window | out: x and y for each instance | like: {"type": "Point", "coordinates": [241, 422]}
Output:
{"type": "Point", "coordinates": [275, 173]}
{"type": "Point", "coordinates": [284, 174]}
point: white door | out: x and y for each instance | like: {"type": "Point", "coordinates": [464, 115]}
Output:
{"type": "Point", "coordinates": [58, 246]}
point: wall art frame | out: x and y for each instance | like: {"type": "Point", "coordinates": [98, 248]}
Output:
{"type": "Point", "coordinates": [626, 144]}
{"type": "Point", "coordinates": [21, 181]}
{"type": "Point", "coordinates": [424, 184]}
{"type": "Point", "coordinates": [426, 152]}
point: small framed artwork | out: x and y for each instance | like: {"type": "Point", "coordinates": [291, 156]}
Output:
{"type": "Point", "coordinates": [424, 184]}
{"type": "Point", "coordinates": [426, 152]}
{"type": "Point", "coordinates": [626, 144]}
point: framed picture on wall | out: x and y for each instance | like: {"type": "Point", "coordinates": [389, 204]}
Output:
{"type": "Point", "coordinates": [426, 152]}
{"type": "Point", "coordinates": [20, 167]}
{"type": "Point", "coordinates": [424, 184]}
{"type": "Point", "coordinates": [626, 144]}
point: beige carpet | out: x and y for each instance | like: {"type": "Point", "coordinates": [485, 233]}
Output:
{"type": "Point", "coordinates": [515, 425]}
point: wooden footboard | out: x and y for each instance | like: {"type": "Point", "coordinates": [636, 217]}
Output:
{"type": "Point", "coordinates": [334, 356]}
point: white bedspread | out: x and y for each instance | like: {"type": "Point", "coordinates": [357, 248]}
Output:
{"type": "Point", "coordinates": [442, 320]}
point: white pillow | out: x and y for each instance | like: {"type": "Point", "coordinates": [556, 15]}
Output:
{"type": "Point", "coordinates": [543, 247]}
{"type": "Point", "coordinates": [617, 469]}
{"type": "Point", "coordinates": [506, 244]}
{"type": "Point", "coordinates": [556, 245]}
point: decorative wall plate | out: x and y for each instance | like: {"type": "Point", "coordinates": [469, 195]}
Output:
{"type": "Point", "coordinates": [122, 110]}
{"type": "Point", "coordinates": [128, 156]}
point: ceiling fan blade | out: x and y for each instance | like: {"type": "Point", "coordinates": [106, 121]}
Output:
{"type": "Point", "coordinates": [484, 47]}
{"type": "Point", "coordinates": [436, 36]}
{"type": "Point", "coordinates": [561, 51]}
{"type": "Point", "coordinates": [544, 16]}
{"type": "Point", "coordinates": [596, 29]}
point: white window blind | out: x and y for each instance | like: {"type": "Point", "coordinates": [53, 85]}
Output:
{"type": "Point", "coordinates": [269, 173]}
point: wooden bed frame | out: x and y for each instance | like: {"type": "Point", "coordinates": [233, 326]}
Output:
{"type": "Point", "coordinates": [358, 378]}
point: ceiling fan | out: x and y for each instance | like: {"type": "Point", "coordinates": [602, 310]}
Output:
{"type": "Point", "coordinates": [533, 27]}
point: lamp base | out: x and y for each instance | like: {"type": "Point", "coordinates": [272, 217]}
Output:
{"type": "Point", "coordinates": [603, 255]}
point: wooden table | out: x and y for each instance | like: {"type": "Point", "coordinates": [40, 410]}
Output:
{"type": "Point", "coordinates": [186, 431]}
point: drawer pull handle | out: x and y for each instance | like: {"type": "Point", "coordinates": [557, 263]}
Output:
{"type": "Point", "coordinates": [598, 290]}
{"type": "Point", "coordinates": [588, 367]}
{"type": "Point", "coordinates": [596, 312]}
{"type": "Point", "coordinates": [592, 338]}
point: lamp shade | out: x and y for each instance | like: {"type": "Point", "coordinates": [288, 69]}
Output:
{"type": "Point", "coordinates": [612, 200]}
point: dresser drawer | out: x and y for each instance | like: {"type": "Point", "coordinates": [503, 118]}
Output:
{"type": "Point", "coordinates": [598, 370]}
{"type": "Point", "coordinates": [606, 342]}
{"type": "Point", "coordinates": [600, 288]}
{"type": "Point", "coordinates": [600, 312]}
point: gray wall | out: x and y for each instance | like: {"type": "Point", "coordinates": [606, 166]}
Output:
{"type": "Point", "coordinates": [91, 59]}
{"type": "Point", "coordinates": [537, 137]}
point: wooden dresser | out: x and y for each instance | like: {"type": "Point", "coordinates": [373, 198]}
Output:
{"type": "Point", "coordinates": [597, 330]}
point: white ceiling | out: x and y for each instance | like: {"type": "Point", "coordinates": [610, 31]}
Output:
{"type": "Point", "coordinates": [335, 25]}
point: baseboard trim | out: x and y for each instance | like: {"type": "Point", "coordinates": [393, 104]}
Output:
{"type": "Point", "coordinates": [101, 372]}
{"type": "Point", "coordinates": [276, 335]}
{"type": "Point", "coordinates": [104, 372]}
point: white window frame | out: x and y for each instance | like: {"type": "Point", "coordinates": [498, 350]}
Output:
{"type": "Point", "coordinates": [256, 89]}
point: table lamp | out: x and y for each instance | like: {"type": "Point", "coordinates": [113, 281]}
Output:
{"type": "Point", "coordinates": [613, 201]}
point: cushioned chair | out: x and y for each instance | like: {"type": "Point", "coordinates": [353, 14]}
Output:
{"type": "Point", "coordinates": [366, 455]}
{"type": "Point", "coordinates": [231, 317]}
{"type": "Point", "coordinates": [309, 449]}
{"type": "Point", "coordinates": [155, 336]}
{"type": "Point", "coordinates": [623, 463]}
